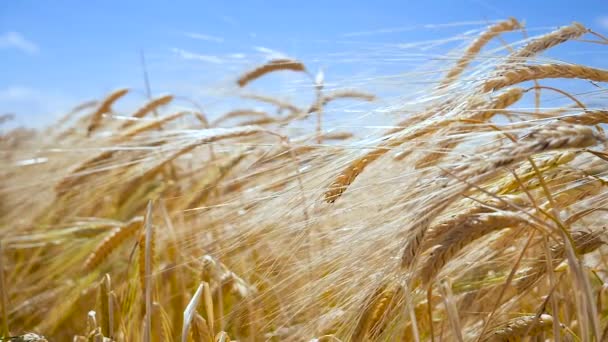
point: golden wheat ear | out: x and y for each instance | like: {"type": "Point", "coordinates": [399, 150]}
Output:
{"type": "Point", "coordinates": [105, 107]}
{"type": "Point", "coordinates": [271, 66]}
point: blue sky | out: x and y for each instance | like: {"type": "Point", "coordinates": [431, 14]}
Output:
{"type": "Point", "coordinates": [56, 54]}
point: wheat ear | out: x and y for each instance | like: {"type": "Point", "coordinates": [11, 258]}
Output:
{"type": "Point", "coordinates": [157, 123]}
{"type": "Point", "coordinates": [105, 107]}
{"type": "Point", "coordinates": [342, 94]}
{"type": "Point", "coordinates": [469, 229]}
{"type": "Point", "coordinates": [377, 311]}
{"type": "Point", "coordinates": [473, 49]}
{"type": "Point", "coordinates": [519, 328]}
{"type": "Point", "coordinates": [149, 107]}
{"type": "Point", "coordinates": [593, 117]}
{"type": "Point", "coordinates": [271, 66]}
{"type": "Point", "coordinates": [239, 113]}
{"type": "Point", "coordinates": [519, 74]}
{"type": "Point", "coordinates": [114, 239]}
{"type": "Point", "coordinates": [547, 41]}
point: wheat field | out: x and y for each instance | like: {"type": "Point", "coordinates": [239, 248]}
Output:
{"type": "Point", "coordinates": [477, 213]}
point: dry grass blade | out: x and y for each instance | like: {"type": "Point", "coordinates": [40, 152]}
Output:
{"type": "Point", "coordinates": [271, 66]}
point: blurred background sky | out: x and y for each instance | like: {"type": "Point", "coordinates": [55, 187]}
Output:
{"type": "Point", "coordinates": [56, 54]}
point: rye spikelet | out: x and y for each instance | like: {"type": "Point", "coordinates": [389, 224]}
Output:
{"type": "Point", "coordinates": [271, 66]}
{"type": "Point", "coordinates": [105, 107]}
{"type": "Point", "coordinates": [519, 74]}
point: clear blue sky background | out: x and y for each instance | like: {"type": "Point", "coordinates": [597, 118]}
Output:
{"type": "Point", "coordinates": [55, 54]}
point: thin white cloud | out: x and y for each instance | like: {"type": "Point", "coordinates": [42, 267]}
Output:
{"type": "Point", "coordinates": [270, 53]}
{"type": "Point", "coordinates": [205, 37]}
{"type": "Point", "coordinates": [14, 40]}
{"type": "Point", "coordinates": [603, 22]}
{"type": "Point", "coordinates": [34, 107]}
{"type": "Point", "coordinates": [194, 56]}
{"type": "Point", "coordinates": [16, 93]}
